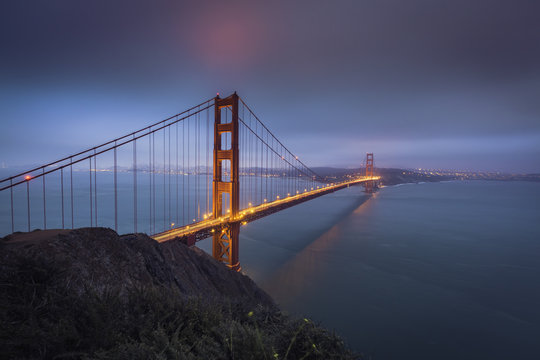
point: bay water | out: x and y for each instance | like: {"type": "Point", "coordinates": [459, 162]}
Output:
{"type": "Point", "coordinates": [445, 270]}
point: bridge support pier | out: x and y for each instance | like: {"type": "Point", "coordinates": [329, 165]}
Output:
{"type": "Point", "coordinates": [225, 243]}
{"type": "Point", "coordinates": [225, 246]}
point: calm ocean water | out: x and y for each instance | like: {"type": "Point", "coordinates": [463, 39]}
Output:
{"type": "Point", "coordinates": [422, 271]}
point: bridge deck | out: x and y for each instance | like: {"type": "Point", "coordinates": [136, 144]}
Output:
{"type": "Point", "coordinates": [204, 229]}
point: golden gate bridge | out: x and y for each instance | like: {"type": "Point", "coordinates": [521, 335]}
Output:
{"type": "Point", "coordinates": [201, 173]}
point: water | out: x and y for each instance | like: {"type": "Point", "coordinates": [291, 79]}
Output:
{"type": "Point", "coordinates": [423, 271]}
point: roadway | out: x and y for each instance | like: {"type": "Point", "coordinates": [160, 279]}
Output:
{"type": "Point", "coordinates": [205, 228]}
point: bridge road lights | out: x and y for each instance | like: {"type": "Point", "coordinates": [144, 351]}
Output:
{"type": "Point", "coordinates": [225, 242]}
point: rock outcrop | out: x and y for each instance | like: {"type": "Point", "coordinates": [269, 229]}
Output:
{"type": "Point", "coordinates": [100, 259]}
{"type": "Point", "coordinates": [92, 294]}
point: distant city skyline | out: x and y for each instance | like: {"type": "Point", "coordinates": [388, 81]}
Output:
{"type": "Point", "coordinates": [421, 84]}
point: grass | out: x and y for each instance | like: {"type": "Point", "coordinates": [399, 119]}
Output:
{"type": "Point", "coordinates": [43, 318]}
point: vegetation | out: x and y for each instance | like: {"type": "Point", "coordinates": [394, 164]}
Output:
{"type": "Point", "coordinates": [43, 318]}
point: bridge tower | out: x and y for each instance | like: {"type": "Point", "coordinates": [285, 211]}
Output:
{"type": "Point", "coordinates": [225, 242]}
{"type": "Point", "coordinates": [369, 172]}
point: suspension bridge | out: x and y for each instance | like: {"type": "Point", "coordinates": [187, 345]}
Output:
{"type": "Point", "coordinates": [201, 173]}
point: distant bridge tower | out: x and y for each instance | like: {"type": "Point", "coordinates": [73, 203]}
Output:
{"type": "Point", "coordinates": [369, 172]}
{"type": "Point", "coordinates": [225, 242]}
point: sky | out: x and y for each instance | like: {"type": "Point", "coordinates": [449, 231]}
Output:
{"type": "Point", "coordinates": [421, 83]}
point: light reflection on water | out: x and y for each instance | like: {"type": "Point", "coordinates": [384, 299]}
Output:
{"type": "Point", "coordinates": [291, 279]}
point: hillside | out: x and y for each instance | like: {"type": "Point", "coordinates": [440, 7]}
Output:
{"type": "Point", "coordinates": [92, 294]}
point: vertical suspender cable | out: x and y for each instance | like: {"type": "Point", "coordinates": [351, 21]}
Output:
{"type": "Point", "coordinates": [91, 210]}
{"type": "Point", "coordinates": [150, 178]}
{"type": "Point", "coordinates": [115, 179]}
{"type": "Point", "coordinates": [44, 204]}
{"type": "Point", "coordinates": [266, 169]}
{"type": "Point", "coordinates": [244, 155]}
{"type": "Point", "coordinates": [176, 143]}
{"type": "Point", "coordinates": [164, 177]}
{"type": "Point", "coordinates": [298, 182]}
{"type": "Point", "coordinates": [12, 215]}
{"type": "Point", "coordinates": [62, 194]}
{"type": "Point", "coordinates": [291, 177]}
{"type": "Point", "coordinates": [188, 189]}
{"type": "Point", "coordinates": [286, 168]}
{"type": "Point", "coordinates": [153, 182]}
{"type": "Point", "coordinates": [28, 201]}
{"type": "Point", "coordinates": [275, 174]}
{"type": "Point", "coordinates": [169, 127]}
{"type": "Point", "coordinates": [197, 158]}
{"type": "Point", "coordinates": [271, 172]}
{"type": "Point", "coordinates": [71, 190]}
{"type": "Point", "coordinates": [255, 163]}
{"type": "Point", "coordinates": [183, 175]}
{"type": "Point", "coordinates": [251, 154]}
{"type": "Point", "coordinates": [242, 165]}
{"type": "Point", "coordinates": [95, 186]}
{"type": "Point", "coordinates": [207, 162]}
{"type": "Point", "coordinates": [199, 144]}
{"type": "Point", "coordinates": [134, 184]}
{"type": "Point", "coordinates": [246, 166]}
{"type": "Point", "coordinates": [257, 159]}
{"type": "Point", "coordinates": [196, 166]}
{"type": "Point", "coordinates": [262, 164]}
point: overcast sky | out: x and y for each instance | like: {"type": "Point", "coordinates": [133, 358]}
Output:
{"type": "Point", "coordinates": [421, 83]}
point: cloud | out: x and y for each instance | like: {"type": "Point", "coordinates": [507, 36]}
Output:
{"type": "Point", "coordinates": [395, 70]}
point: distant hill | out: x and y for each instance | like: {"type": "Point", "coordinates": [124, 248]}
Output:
{"type": "Point", "coordinates": [393, 176]}
{"type": "Point", "coordinates": [339, 172]}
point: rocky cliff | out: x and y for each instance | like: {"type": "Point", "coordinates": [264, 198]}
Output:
{"type": "Point", "coordinates": [100, 259]}
{"type": "Point", "coordinates": [92, 294]}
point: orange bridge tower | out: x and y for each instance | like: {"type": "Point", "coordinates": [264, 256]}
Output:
{"type": "Point", "coordinates": [370, 185]}
{"type": "Point", "coordinates": [225, 242]}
